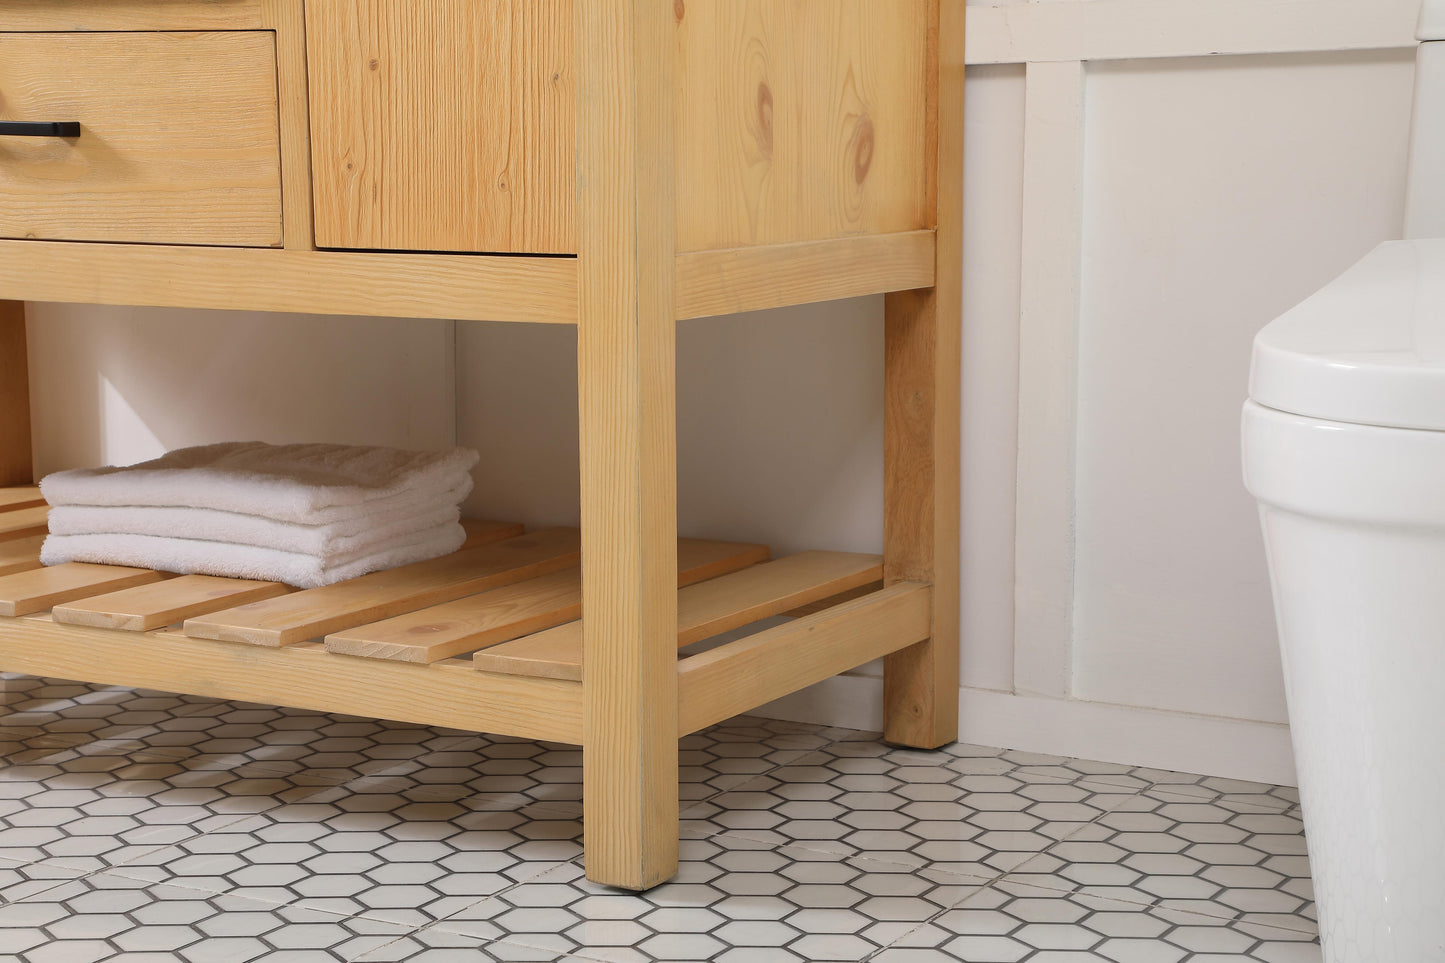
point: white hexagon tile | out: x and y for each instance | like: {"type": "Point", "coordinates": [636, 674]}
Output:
{"type": "Point", "coordinates": [146, 828]}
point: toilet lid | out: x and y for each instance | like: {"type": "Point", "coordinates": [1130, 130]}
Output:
{"type": "Point", "coordinates": [1368, 348]}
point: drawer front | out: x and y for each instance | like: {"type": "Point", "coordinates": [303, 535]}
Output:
{"type": "Point", "coordinates": [178, 138]}
{"type": "Point", "coordinates": [444, 125]}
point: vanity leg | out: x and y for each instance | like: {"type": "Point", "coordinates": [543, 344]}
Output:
{"type": "Point", "coordinates": [15, 466]}
{"type": "Point", "coordinates": [627, 395]}
{"type": "Point", "coordinates": [922, 358]}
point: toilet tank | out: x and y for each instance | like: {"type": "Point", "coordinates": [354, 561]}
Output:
{"type": "Point", "coordinates": [1425, 187]}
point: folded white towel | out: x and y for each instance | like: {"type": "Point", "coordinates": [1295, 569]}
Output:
{"type": "Point", "coordinates": [193, 556]}
{"type": "Point", "coordinates": [363, 534]}
{"type": "Point", "coordinates": [309, 484]}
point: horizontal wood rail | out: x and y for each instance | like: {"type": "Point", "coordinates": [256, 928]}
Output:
{"type": "Point", "coordinates": [745, 674]}
{"type": "Point", "coordinates": [461, 287]}
{"type": "Point", "coordinates": [776, 275]}
{"type": "Point", "coordinates": [303, 676]}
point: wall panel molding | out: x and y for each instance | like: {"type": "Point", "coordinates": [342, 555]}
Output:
{"type": "Point", "coordinates": [1052, 238]}
{"type": "Point", "coordinates": [1065, 30]}
{"type": "Point", "coordinates": [1127, 735]}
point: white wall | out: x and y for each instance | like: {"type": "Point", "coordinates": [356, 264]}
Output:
{"type": "Point", "coordinates": [1134, 211]}
{"type": "Point", "coordinates": [115, 385]}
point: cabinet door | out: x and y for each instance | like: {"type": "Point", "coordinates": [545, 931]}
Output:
{"type": "Point", "coordinates": [443, 125]}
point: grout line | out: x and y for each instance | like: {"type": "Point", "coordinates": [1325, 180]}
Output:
{"type": "Point", "coordinates": [833, 748]}
{"type": "Point", "coordinates": [1237, 917]}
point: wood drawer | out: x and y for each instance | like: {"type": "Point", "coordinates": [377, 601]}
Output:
{"type": "Point", "coordinates": [445, 125]}
{"type": "Point", "coordinates": [178, 138]}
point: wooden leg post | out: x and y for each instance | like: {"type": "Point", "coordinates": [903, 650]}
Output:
{"type": "Point", "coordinates": [15, 467]}
{"type": "Point", "coordinates": [627, 389]}
{"type": "Point", "coordinates": [921, 428]}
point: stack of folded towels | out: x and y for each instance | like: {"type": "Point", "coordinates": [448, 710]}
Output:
{"type": "Point", "coordinates": [306, 515]}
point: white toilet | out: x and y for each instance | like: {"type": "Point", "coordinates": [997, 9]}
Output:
{"type": "Point", "coordinates": [1344, 447]}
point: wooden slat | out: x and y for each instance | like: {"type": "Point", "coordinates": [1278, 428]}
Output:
{"type": "Point", "coordinates": [41, 588]}
{"type": "Point", "coordinates": [833, 600]}
{"type": "Point", "coordinates": [742, 675]}
{"type": "Point", "coordinates": [26, 496]}
{"type": "Point", "coordinates": [165, 603]}
{"type": "Point", "coordinates": [15, 468]}
{"type": "Point", "coordinates": [316, 612]}
{"type": "Point", "coordinates": [481, 532]}
{"type": "Point", "coordinates": [130, 15]}
{"type": "Point", "coordinates": [703, 610]}
{"type": "Point", "coordinates": [699, 559]}
{"type": "Point", "coordinates": [754, 278]}
{"type": "Point", "coordinates": [763, 591]}
{"type": "Point", "coordinates": [305, 676]}
{"type": "Point", "coordinates": [23, 522]}
{"type": "Point", "coordinates": [922, 335]}
{"type": "Point", "coordinates": [552, 654]}
{"type": "Point", "coordinates": [20, 554]}
{"type": "Point", "coordinates": [312, 282]}
{"type": "Point", "coordinates": [489, 618]}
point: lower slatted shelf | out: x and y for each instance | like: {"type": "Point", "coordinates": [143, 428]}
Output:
{"type": "Point", "coordinates": [703, 610]}
{"type": "Point", "coordinates": [387, 643]}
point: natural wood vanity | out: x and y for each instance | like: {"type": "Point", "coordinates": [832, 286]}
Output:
{"type": "Point", "coordinates": [616, 165]}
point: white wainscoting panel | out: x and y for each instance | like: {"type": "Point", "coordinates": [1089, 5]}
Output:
{"type": "Point", "coordinates": [1220, 192]}
{"type": "Point", "coordinates": [1048, 338]}
{"type": "Point", "coordinates": [992, 247]}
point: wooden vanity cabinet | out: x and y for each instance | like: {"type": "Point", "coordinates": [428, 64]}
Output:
{"type": "Point", "coordinates": [613, 165]}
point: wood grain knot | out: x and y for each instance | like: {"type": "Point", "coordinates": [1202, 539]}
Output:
{"type": "Point", "coordinates": [374, 64]}
{"type": "Point", "coordinates": [765, 117]}
{"type": "Point", "coordinates": [863, 138]}
{"type": "Point", "coordinates": [679, 9]}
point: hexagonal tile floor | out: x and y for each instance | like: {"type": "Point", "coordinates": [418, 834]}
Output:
{"type": "Point", "coordinates": [137, 826]}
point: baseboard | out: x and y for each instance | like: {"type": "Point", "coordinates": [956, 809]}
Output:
{"type": "Point", "coordinates": [1235, 749]}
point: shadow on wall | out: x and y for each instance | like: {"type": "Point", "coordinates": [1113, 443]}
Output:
{"type": "Point", "coordinates": [779, 413]}
{"type": "Point", "coordinates": [780, 424]}
{"type": "Point", "coordinates": [114, 385]}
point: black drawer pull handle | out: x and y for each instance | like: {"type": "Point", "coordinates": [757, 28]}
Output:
{"type": "Point", "coordinates": [17, 128]}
